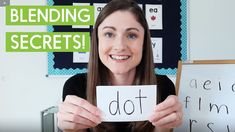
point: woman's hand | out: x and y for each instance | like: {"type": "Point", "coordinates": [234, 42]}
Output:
{"type": "Point", "coordinates": [167, 114]}
{"type": "Point", "coordinates": [76, 113]}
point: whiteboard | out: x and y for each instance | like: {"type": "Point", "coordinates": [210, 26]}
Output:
{"type": "Point", "coordinates": [206, 90]}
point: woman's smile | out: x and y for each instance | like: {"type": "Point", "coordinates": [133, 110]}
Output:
{"type": "Point", "coordinates": [119, 57]}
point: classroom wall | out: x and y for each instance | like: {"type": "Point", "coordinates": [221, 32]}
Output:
{"type": "Point", "coordinates": [211, 29]}
{"type": "Point", "coordinates": [25, 91]}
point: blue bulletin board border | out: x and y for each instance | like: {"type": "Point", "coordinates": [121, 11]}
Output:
{"type": "Point", "coordinates": [162, 71]}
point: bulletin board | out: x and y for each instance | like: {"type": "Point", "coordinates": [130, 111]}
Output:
{"type": "Point", "coordinates": [206, 90]}
{"type": "Point", "coordinates": [167, 21]}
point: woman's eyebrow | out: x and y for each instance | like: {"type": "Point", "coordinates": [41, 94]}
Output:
{"type": "Point", "coordinates": [113, 28]}
{"type": "Point", "coordinates": [128, 29]}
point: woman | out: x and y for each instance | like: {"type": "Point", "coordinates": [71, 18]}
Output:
{"type": "Point", "coordinates": [121, 54]}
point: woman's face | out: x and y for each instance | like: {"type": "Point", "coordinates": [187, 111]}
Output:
{"type": "Point", "coordinates": [120, 39]}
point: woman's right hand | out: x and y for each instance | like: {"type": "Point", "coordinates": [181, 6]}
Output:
{"type": "Point", "coordinates": [76, 114]}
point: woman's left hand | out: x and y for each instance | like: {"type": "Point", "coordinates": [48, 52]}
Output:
{"type": "Point", "coordinates": [167, 114]}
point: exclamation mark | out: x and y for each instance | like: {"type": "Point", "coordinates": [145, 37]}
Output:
{"type": "Point", "coordinates": [83, 41]}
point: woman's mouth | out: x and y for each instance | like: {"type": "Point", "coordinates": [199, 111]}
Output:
{"type": "Point", "coordinates": [119, 57]}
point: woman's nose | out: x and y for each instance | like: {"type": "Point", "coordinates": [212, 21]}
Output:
{"type": "Point", "coordinates": [120, 43]}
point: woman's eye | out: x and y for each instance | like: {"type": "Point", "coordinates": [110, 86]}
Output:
{"type": "Point", "coordinates": [131, 36]}
{"type": "Point", "coordinates": [108, 34]}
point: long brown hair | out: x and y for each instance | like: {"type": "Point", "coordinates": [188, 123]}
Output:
{"type": "Point", "coordinates": [98, 73]}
